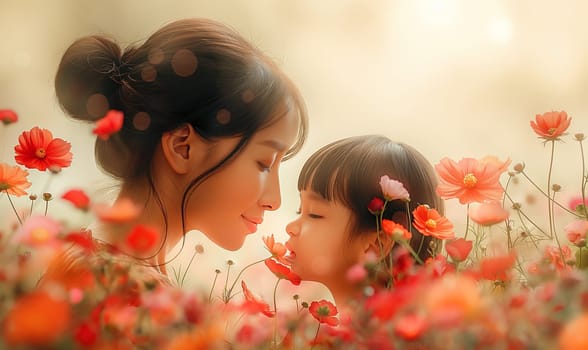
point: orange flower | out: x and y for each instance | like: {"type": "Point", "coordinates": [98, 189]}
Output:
{"type": "Point", "coordinates": [123, 210]}
{"type": "Point", "coordinates": [324, 311]}
{"type": "Point", "coordinates": [551, 125]}
{"type": "Point", "coordinates": [497, 267]}
{"type": "Point", "coordinates": [37, 320]}
{"type": "Point", "coordinates": [254, 305]}
{"type": "Point", "coordinates": [13, 180]}
{"type": "Point", "coordinates": [430, 223]}
{"type": "Point", "coordinates": [78, 198]}
{"type": "Point", "coordinates": [395, 230]}
{"type": "Point", "coordinates": [470, 180]}
{"type": "Point", "coordinates": [488, 213]}
{"type": "Point", "coordinates": [410, 326]}
{"type": "Point", "coordinates": [452, 299]}
{"type": "Point", "coordinates": [576, 232]}
{"type": "Point", "coordinates": [8, 116]}
{"type": "Point", "coordinates": [111, 123]}
{"type": "Point", "coordinates": [37, 149]}
{"type": "Point", "coordinates": [574, 336]}
{"type": "Point", "coordinates": [277, 250]}
{"type": "Point", "coordinates": [458, 249]}
{"type": "Point", "coordinates": [282, 271]}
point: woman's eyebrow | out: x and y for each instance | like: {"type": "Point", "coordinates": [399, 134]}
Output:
{"type": "Point", "coordinates": [278, 146]}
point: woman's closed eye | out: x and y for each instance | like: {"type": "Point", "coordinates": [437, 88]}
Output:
{"type": "Point", "coordinates": [264, 167]}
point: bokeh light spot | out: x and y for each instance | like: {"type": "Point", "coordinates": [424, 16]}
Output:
{"type": "Point", "coordinates": [141, 121]}
{"type": "Point", "coordinates": [247, 96]}
{"type": "Point", "coordinates": [97, 105]}
{"type": "Point", "coordinates": [223, 116]}
{"type": "Point", "coordinates": [148, 73]}
{"type": "Point", "coordinates": [184, 63]}
{"type": "Point", "coordinates": [155, 56]}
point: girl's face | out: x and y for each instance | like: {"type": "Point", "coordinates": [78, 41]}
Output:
{"type": "Point", "coordinates": [231, 203]}
{"type": "Point", "coordinates": [321, 250]}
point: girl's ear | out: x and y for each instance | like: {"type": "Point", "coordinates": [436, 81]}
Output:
{"type": "Point", "coordinates": [379, 246]}
{"type": "Point", "coordinates": [182, 148]}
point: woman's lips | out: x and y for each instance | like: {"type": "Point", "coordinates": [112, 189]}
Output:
{"type": "Point", "coordinates": [250, 224]}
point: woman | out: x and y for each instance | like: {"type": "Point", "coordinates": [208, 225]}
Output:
{"type": "Point", "coordinates": [208, 118]}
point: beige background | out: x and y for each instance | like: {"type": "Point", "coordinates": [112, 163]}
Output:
{"type": "Point", "coordinates": [452, 78]}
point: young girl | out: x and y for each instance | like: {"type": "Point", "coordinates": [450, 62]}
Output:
{"type": "Point", "coordinates": [334, 229]}
{"type": "Point", "coordinates": [208, 118]}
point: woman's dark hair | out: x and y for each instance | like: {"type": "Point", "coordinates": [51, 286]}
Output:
{"type": "Point", "coordinates": [349, 170]}
{"type": "Point", "coordinates": [194, 71]}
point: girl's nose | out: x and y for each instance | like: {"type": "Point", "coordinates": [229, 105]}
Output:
{"type": "Point", "coordinates": [292, 229]}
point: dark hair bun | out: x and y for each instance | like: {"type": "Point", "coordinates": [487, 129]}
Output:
{"type": "Point", "coordinates": [87, 79]}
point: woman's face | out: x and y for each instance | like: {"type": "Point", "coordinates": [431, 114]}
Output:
{"type": "Point", "coordinates": [231, 203]}
{"type": "Point", "coordinates": [319, 244]}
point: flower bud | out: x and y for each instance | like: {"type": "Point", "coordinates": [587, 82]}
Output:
{"type": "Point", "coordinates": [33, 197]}
{"type": "Point", "coordinates": [47, 196]}
{"type": "Point", "coordinates": [555, 188]}
{"type": "Point", "coordinates": [579, 136]}
{"type": "Point", "coordinates": [519, 167]}
{"type": "Point", "coordinates": [516, 206]}
{"type": "Point", "coordinates": [230, 262]}
{"type": "Point", "coordinates": [199, 248]}
{"type": "Point", "coordinates": [217, 271]}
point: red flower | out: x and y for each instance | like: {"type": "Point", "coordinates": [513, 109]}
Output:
{"type": "Point", "coordinates": [376, 205]}
{"type": "Point", "coordinates": [8, 116]}
{"type": "Point", "coordinates": [282, 271]}
{"type": "Point", "coordinates": [142, 238]}
{"type": "Point", "coordinates": [13, 180]}
{"type": "Point", "coordinates": [254, 305]}
{"type": "Point", "coordinates": [470, 180]}
{"type": "Point", "coordinates": [78, 198]}
{"type": "Point", "coordinates": [497, 267]}
{"type": "Point", "coordinates": [37, 149]}
{"type": "Point", "coordinates": [458, 249]}
{"type": "Point", "coordinates": [324, 311]}
{"type": "Point", "coordinates": [82, 239]}
{"type": "Point", "coordinates": [411, 326]}
{"type": "Point", "coordinates": [551, 125]}
{"type": "Point", "coordinates": [395, 230]}
{"type": "Point", "coordinates": [430, 223]}
{"type": "Point", "coordinates": [111, 123]}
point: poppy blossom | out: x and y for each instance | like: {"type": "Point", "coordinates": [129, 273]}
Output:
{"type": "Point", "coordinates": [395, 230]}
{"type": "Point", "coordinates": [324, 311]}
{"type": "Point", "coordinates": [458, 249]}
{"type": "Point", "coordinates": [551, 125]}
{"type": "Point", "coordinates": [142, 238]}
{"type": "Point", "coordinates": [430, 223]}
{"type": "Point", "coordinates": [253, 304]}
{"type": "Point", "coordinates": [470, 180]}
{"type": "Point", "coordinates": [488, 213]}
{"type": "Point", "coordinates": [37, 149]}
{"type": "Point", "coordinates": [111, 123]}
{"type": "Point", "coordinates": [282, 271]}
{"type": "Point", "coordinates": [13, 180]}
{"type": "Point", "coordinates": [393, 189]}
{"type": "Point", "coordinates": [8, 116]}
{"type": "Point", "coordinates": [573, 335]}
{"type": "Point", "coordinates": [78, 198]}
{"type": "Point", "coordinates": [497, 267]}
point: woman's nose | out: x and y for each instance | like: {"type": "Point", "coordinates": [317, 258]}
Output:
{"type": "Point", "coordinates": [271, 198]}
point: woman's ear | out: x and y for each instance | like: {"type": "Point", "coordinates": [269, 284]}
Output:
{"type": "Point", "coordinates": [182, 147]}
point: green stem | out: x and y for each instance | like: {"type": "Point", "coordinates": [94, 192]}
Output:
{"type": "Point", "coordinates": [187, 268]}
{"type": "Point", "coordinates": [316, 335]}
{"type": "Point", "coordinates": [212, 288]}
{"type": "Point", "coordinates": [276, 313]}
{"type": "Point", "coordinates": [547, 195]}
{"type": "Point", "coordinates": [13, 207]}
{"type": "Point", "coordinates": [228, 293]}
{"type": "Point", "coordinates": [584, 180]}
{"type": "Point", "coordinates": [409, 248]}
{"type": "Point", "coordinates": [465, 236]}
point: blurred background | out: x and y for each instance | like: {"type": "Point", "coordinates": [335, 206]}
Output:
{"type": "Point", "coordinates": [452, 78]}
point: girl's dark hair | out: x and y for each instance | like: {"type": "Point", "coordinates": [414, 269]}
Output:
{"type": "Point", "coordinates": [195, 71]}
{"type": "Point", "coordinates": [349, 170]}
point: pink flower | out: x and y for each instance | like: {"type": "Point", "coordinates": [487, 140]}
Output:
{"type": "Point", "coordinates": [38, 231]}
{"type": "Point", "coordinates": [574, 202]}
{"type": "Point", "coordinates": [458, 249]}
{"type": "Point", "coordinates": [576, 232]}
{"type": "Point", "coordinates": [393, 189]}
{"type": "Point", "coordinates": [356, 273]}
{"type": "Point", "coordinates": [111, 123]}
{"type": "Point", "coordinates": [488, 213]}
